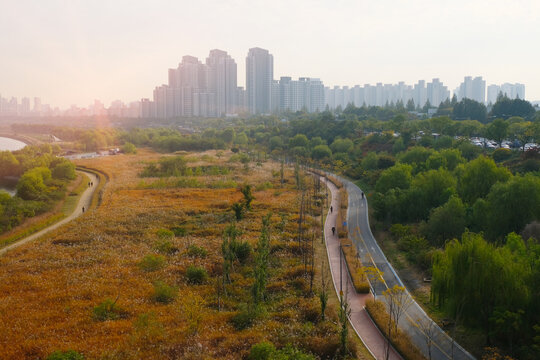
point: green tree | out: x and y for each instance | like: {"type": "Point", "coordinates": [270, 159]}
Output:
{"type": "Point", "coordinates": [395, 177]}
{"type": "Point", "coordinates": [341, 145]}
{"type": "Point", "coordinates": [477, 178]}
{"type": "Point", "coordinates": [31, 185]}
{"type": "Point", "coordinates": [9, 165]}
{"type": "Point", "coordinates": [513, 204]}
{"type": "Point", "coordinates": [497, 130]}
{"type": "Point", "coordinates": [299, 140]}
{"type": "Point", "coordinates": [321, 152]}
{"type": "Point", "coordinates": [446, 222]}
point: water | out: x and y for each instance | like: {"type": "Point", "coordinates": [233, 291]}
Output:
{"type": "Point", "coordinates": [10, 144]}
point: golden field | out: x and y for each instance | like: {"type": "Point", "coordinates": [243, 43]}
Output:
{"type": "Point", "coordinates": [49, 288]}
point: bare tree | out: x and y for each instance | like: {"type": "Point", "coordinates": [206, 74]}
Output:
{"type": "Point", "coordinates": [429, 329]}
{"type": "Point", "coordinates": [398, 302]}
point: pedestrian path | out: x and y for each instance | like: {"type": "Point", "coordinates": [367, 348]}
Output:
{"type": "Point", "coordinates": [359, 318]}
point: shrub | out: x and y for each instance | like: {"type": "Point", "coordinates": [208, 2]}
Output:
{"type": "Point", "coordinates": [241, 251]}
{"type": "Point", "coordinates": [65, 355]}
{"type": "Point", "coordinates": [108, 310]}
{"type": "Point", "coordinates": [179, 231]}
{"type": "Point", "coordinates": [129, 148]}
{"type": "Point", "coordinates": [164, 234]}
{"type": "Point", "coordinates": [196, 275]}
{"type": "Point", "coordinates": [261, 351]}
{"type": "Point", "coordinates": [245, 317]}
{"type": "Point", "coordinates": [196, 251]}
{"type": "Point", "coordinates": [166, 247]}
{"type": "Point", "coordinates": [152, 262]}
{"type": "Point", "coordinates": [164, 293]}
{"type": "Point", "coordinates": [501, 154]}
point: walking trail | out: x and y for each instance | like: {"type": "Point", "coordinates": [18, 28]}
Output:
{"type": "Point", "coordinates": [359, 318]}
{"type": "Point", "coordinates": [85, 200]}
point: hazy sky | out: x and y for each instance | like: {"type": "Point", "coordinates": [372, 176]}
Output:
{"type": "Point", "coordinates": [72, 52]}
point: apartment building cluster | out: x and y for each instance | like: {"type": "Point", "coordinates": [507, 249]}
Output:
{"type": "Point", "coordinates": [26, 107]}
{"type": "Point", "coordinates": [383, 94]}
{"type": "Point", "coordinates": [210, 89]}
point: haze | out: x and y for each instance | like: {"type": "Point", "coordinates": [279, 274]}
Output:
{"type": "Point", "coordinates": [72, 52]}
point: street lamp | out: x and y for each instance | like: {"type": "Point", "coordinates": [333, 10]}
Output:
{"type": "Point", "coordinates": [340, 269]}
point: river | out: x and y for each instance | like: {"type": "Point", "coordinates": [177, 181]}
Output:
{"type": "Point", "coordinates": [10, 144]}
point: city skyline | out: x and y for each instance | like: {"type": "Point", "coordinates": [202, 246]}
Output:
{"type": "Point", "coordinates": [115, 50]}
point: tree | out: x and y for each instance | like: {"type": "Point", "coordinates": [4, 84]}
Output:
{"type": "Point", "coordinates": [64, 170]}
{"type": "Point", "coordinates": [513, 205]}
{"type": "Point", "coordinates": [31, 185]}
{"type": "Point", "coordinates": [524, 132]}
{"type": "Point", "coordinates": [299, 140]}
{"type": "Point", "coordinates": [321, 152]}
{"type": "Point", "coordinates": [398, 301]}
{"type": "Point", "coordinates": [248, 196]}
{"type": "Point", "coordinates": [260, 271]}
{"type": "Point", "coordinates": [497, 130]}
{"type": "Point", "coordinates": [469, 109]}
{"type": "Point", "coordinates": [505, 108]}
{"type": "Point", "coordinates": [129, 148]}
{"type": "Point", "coordinates": [429, 329]}
{"type": "Point", "coordinates": [193, 309]}
{"type": "Point", "coordinates": [446, 221]}
{"type": "Point", "coordinates": [9, 165]}
{"type": "Point", "coordinates": [477, 178]}
{"type": "Point", "coordinates": [410, 105]}
{"type": "Point", "coordinates": [395, 177]}
{"type": "Point", "coordinates": [341, 145]}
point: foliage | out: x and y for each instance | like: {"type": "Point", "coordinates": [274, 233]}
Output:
{"type": "Point", "coordinates": [65, 355]}
{"type": "Point", "coordinates": [152, 262]}
{"type": "Point", "coordinates": [129, 148]}
{"type": "Point", "coordinates": [164, 293]}
{"type": "Point", "coordinates": [196, 275]}
{"type": "Point", "coordinates": [505, 108]}
{"type": "Point", "coordinates": [197, 251]}
{"type": "Point", "coordinates": [261, 262]}
{"type": "Point", "coordinates": [262, 351]}
{"type": "Point", "coordinates": [108, 310]}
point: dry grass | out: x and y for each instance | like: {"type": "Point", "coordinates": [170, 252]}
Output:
{"type": "Point", "coordinates": [51, 286]}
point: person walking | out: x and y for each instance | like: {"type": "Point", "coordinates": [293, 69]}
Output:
{"type": "Point", "coordinates": [83, 209]}
{"type": "Point", "coordinates": [333, 230]}
{"type": "Point", "coordinates": [331, 209]}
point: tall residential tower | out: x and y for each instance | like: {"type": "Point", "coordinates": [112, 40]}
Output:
{"type": "Point", "coordinates": [259, 76]}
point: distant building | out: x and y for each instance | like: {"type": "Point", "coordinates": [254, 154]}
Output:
{"type": "Point", "coordinates": [259, 76]}
{"type": "Point", "coordinates": [470, 88]}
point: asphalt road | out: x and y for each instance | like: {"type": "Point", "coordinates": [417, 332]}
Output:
{"type": "Point", "coordinates": [442, 347]}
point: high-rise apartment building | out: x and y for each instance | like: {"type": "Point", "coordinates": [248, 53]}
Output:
{"type": "Point", "coordinates": [470, 88]}
{"type": "Point", "coordinates": [259, 76]}
{"type": "Point", "coordinates": [222, 81]}
{"type": "Point", "coordinates": [512, 91]}
{"type": "Point", "coordinates": [304, 94]}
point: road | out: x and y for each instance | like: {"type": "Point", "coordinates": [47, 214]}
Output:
{"type": "Point", "coordinates": [84, 201]}
{"type": "Point", "coordinates": [359, 318]}
{"type": "Point", "coordinates": [443, 347]}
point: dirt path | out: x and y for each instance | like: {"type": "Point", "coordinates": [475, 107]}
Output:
{"type": "Point", "coordinates": [359, 318]}
{"type": "Point", "coordinates": [84, 201]}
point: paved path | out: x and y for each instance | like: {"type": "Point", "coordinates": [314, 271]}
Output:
{"type": "Point", "coordinates": [85, 200]}
{"type": "Point", "coordinates": [359, 319]}
{"type": "Point", "coordinates": [443, 347]}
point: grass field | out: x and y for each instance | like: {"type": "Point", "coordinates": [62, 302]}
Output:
{"type": "Point", "coordinates": [141, 276]}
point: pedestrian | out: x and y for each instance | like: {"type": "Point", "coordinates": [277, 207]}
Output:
{"type": "Point", "coordinates": [331, 209]}
{"type": "Point", "coordinates": [89, 184]}
{"type": "Point", "coordinates": [83, 209]}
{"type": "Point", "coordinates": [333, 230]}
{"type": "Point", "coordinates": [92, 183]}
{"type": "Point", "coordinates": [362, 194]}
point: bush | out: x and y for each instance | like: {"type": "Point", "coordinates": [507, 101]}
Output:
{"type": "Point", "coordinates": [244, 318]}
{"type": "Point", "coordinates": [196, 275]}
{"type": "Point", "coordinates": [129, 148]}
{"type": "Point", "coordinates": [164, 234]}
{"type": "Point", "coordinates": [261, 351]}
{"type": "Point", "coordinates": [196, 251]}
{"type": "Point", "coordinates": [164, 293]}
{"type": "Point", "coordinates": [152, 262]}
{"type": "Point", "coordinates": [501, 154]}
{"type": "Point", "coordinates": [166, 247]}
{"type": "Point", "coordinates": [108, 310]}
{"type": "Point", "coordinates": [241, 251]}
{"type": "Point", "coordinates": [179, 231]}
{"type": "Point", "coordinates": [65, 355]}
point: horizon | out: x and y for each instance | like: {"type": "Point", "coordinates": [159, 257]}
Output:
{"type": "Point", "coordinates": [88, 49]}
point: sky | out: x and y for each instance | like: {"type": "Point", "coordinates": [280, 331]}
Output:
{"type": "Point", "coordinates": [72, 52]}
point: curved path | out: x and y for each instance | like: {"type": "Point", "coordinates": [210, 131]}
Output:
{"type": "Point", "coordinates": [85, 200]}
{"type": "Point", "coordinates": [359, 318]}
{"type": "Point", "coordinates": [443, 347]}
